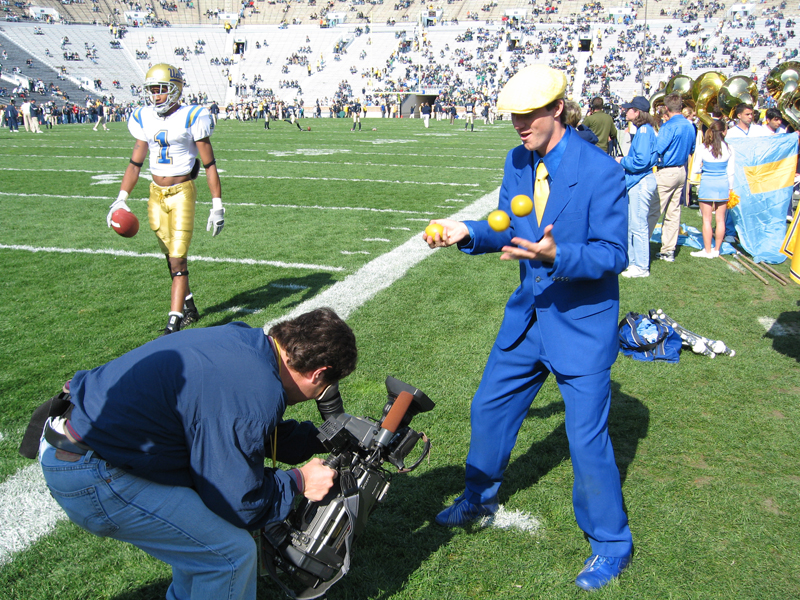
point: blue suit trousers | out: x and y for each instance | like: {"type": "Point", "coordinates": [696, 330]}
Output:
{"type": "Point", "coordinates": [510, 382]}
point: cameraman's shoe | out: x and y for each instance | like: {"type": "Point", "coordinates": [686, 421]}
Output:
{"type": "Point", "coordinates": [462, 511]}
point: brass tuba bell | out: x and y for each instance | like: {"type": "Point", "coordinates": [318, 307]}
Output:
{"type": "Point", "coordinates": [656, 100]}
{"type": "Point", "coordinates": [704, 92]}
{"type": "Point", "coordinates": [681, 84]}
{"type": "Point", "coordinates": [736, 90]}
{"type": "Point", "coordinates": [782, 85]}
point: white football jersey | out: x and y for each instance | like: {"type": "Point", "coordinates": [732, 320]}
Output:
{"type": "Point", "coordinates": [171, 139]}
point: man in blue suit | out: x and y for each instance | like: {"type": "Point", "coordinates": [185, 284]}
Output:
{"type": "Point", "coordinates": [562, 319]}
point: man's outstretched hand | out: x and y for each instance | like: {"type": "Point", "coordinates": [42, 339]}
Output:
{"type": "Point", "coordinates": [544, 250]}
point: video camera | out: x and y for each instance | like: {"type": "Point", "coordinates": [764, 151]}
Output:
{"type": "Point", "coordinates": [312, 546]}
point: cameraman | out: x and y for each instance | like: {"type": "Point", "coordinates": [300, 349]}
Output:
{"type": "Point", "coordinates": [164, 447]}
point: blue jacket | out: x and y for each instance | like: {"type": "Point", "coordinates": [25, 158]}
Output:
{"type": "Point", "coordinates": [196, 409]}
{"type": "Point", "coordinates": [676, 141]}
{"type": "Point", "coordinates": [642, 156]}
{"type": "Point", "coordinates": [576, 298]}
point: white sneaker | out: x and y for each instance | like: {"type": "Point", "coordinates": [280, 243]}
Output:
{"type": "Point", "coordinates": [704, 254]}
{"type": "Point", "coordinates": [635, 272]}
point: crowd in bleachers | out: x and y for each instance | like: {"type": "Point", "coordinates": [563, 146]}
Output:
{"type": "Point", "coordinates": [476, 61]}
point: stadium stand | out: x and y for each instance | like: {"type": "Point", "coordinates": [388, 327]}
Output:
{"type": "Point", "coordinates": [358, 49]}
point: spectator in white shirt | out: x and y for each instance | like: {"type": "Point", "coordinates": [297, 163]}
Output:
{"type": "Point", "coordinates": [744, 126]}
{"type": "Point", "coordinates": [773, 122]}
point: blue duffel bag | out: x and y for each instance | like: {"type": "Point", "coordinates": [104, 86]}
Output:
{"type": "Point", "coordinates": [645, 339]}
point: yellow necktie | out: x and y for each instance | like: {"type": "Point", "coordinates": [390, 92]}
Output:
{"type": "Point", "coordinates": [541, 191]}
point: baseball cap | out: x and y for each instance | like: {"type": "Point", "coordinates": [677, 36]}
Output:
{"type": "Point", "coordinates": [639, 103]}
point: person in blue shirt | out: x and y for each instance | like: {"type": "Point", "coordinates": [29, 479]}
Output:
{"type": "Point", "coordinates": [562, 319]}
{"type": "Point", "coordinates": [641, 184]}
{"type": "Point", "coordinates": [12, 116]}
{"type": "Point", "coordinates": [164, 447]}
{"type": "Point", "coordinates": [676, 141]}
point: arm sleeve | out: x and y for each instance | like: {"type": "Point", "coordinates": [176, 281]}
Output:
{"type": "Point", "coordinates": [697, 163]}
{"type": "Point", "coordinates": [297, 442]}
{"type": "Point", "coordinates": [731, 168]}
{"type": "Point", "coordinates": [135, 125]}
{"type": "Point", "coordinates": [202, 125]}
{"type": "Point", "coordinates": [664, 139]}
{"type": "Point", "coordinates": [638, 158]}
{"type": "Point", "coordinates": [227, 463]}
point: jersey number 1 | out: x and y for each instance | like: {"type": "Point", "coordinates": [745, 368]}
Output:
{"type": "Point", "coordinates": [164, 157]}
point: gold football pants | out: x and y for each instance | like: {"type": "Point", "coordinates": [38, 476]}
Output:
{"type": "Point", "coordinates": [171, 214]}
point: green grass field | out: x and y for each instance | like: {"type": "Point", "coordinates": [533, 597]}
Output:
{"type": "Point", "coordinates": [707, 448]}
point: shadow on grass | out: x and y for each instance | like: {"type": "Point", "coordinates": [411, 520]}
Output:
{"type": "Point", "coordinates": [401, 534]}
{"type": "Point", "coordinates": [785, 334]}
{"type": "Point", "coordinates": [628, 421]}
{"type": "Point", "coordinates": [399, 537]}
{"type": "Point", "coordinates": [154, 591]}
{"type": "Point", "coordinates": [270, 293]}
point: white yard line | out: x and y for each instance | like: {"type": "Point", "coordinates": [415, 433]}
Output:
{"type": "Point", "coordinates": [127, 253]}
{"type": "Point", "coordinates": [228, 204]}
{"type": "Point", "coordinates": [28, 512]}
{"type": "Point", "coordinates": [775, 329]}
{"type": "Point", "coordinates": [355, 290]}
{"type": "Point", "coordinates": [283, 177]}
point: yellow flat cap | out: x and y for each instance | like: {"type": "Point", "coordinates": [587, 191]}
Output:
{"type": "Point", "coordinates": [533, 87]}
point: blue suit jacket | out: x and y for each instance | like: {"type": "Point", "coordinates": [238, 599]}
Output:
{"type": "Point", "coordinates": [576, 298]}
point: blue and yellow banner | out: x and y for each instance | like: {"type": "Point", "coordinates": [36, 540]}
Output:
{"type": "Point", "coordinates": [791, 247]}
{"type": "Point", "coordinates": [763, 179]}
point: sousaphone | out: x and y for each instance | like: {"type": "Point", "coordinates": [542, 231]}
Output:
{"type": "Point", "coordinates": [782, 85]}
{"type": "Point", "coordinates": [681, 84]}
{"type": "Point", "coordinates": [736, 90]}
{"type": "Point", "coordinates": [704, 93]}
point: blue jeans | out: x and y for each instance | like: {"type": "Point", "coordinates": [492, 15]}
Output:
{"type": "Point", "coordinates": [210, 558]}
{"type": "Point", "coordinates": [639, 197]}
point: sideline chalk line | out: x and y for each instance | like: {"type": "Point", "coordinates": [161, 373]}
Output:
{"type": "Point", "coordinates": [128, 253]}
{"type": "Point", "coordinates": [28, 512]}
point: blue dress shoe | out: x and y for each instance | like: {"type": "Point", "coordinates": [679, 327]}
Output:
{"type": "Point", "coordinates": [462, 511]}
{"type": "Point", "coordinates": [599, 570]}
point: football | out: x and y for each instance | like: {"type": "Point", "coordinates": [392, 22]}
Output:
{"type": "Point", "coordinates": [124, 223]}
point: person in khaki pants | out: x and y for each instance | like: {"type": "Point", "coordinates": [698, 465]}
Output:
{"type": "Point", "coordinates": [676, 141]}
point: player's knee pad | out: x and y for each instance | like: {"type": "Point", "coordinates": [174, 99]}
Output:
{"type": "Point", "coordinates": [184, 273]}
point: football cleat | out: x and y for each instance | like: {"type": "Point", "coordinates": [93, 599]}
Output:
{"type": "Point", "coordinates": [173, 324]}
{"type": "Point", "coordinates": [190, 315]}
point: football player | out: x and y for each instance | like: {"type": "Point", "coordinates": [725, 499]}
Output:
{"type": "Point", "coordinates": [355, 110]}
{"type": "Point", "coordinates": [174, 134]}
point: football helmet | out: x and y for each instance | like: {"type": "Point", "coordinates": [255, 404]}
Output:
{"type": "Point", "coordinates": [163, 79]}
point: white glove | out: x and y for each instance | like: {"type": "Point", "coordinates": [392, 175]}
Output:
{"type": "Point", "coordinates": [117, 204]}
{"type": "Point", "coordinates": [216, 218]}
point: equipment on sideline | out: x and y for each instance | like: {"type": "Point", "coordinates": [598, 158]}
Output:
{"type": "Point", "coordinates": [163, 79]}
{"type": "Point", "coordinates": [312, 547]}
{"type": "Point", "coordinates": [647, 339]}
{"type": "Point", "coordinates": [697, 343]}
{"type": "Point", "coordinates": [125, 223]}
